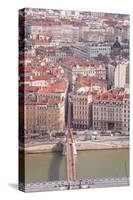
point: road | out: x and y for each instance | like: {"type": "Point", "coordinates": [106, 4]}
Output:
{"type": "Point", "coordinates": [76, 184]}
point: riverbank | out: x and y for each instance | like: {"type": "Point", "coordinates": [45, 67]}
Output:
{"type": "Point", "coordinates": [82, 145]}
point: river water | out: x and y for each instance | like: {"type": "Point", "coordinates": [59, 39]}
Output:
{"type": "Point", "coordinates": [89, 164]}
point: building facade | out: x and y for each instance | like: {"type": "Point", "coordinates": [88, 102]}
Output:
{"type": "Point", "coordinates": [121, 75]}
{"type": "Point", "coordinates": [126, 112]}
{"type": "Point", "coordinates": [42, 117]}
{"type": "Point", "coordinates": [110, 111]}
{"type": "Point", "coordinates": [94, 51]}
{"type": "Point", "coordinates": [107, 115]}
{"type": "Point", "coordinates": [82, 111]}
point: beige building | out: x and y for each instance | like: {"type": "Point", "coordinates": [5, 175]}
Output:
{"type": "Point", "coordinates": [48, 115]}
{"type": "Point", "coordinates": [51, 116]}
{"type": "Point", "coordinates": [121, 75]}
{"type": "Point", "coordinates": [82, 110]}
{"type": "Point", "coordinates": [84, 89]}
{"type": "Point", "coordinates": [111, 111]}
{"type": "Point", "coordinates": [30, 116]}
{"type": "Point", "coordinates": [43, 108]}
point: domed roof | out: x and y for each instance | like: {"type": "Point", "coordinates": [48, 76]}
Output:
{"type": "Point", "coordinates": [116, 44]}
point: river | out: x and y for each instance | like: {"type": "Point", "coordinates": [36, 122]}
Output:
{"type": "Point", "coordinates": [89, 164]}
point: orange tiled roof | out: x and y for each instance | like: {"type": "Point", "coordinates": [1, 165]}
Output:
{"type": "Point", "coordinates": [60, 86]}
{"type": "Point", "coordinates": [50, 101]}
{"type": "Point", "coordinates": [77, 61]}
{"type": "Point", "coordinates": [116, 94]}
{"type": "Point", "coordinates": [28, 88]}
{"type": "Point", "coordinates": [90, 81]}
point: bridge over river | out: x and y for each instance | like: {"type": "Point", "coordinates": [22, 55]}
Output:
{"type": "Point", "coordinates": [72, 182]}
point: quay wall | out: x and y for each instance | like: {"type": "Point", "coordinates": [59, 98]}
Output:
{"type": "Point", "coordinates": [58, 147]}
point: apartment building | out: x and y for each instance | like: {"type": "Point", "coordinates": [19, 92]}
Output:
{"type": "Point", "coordinates": [82, 110]}
{"type": "Point", "coordinates": [111, 111]}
